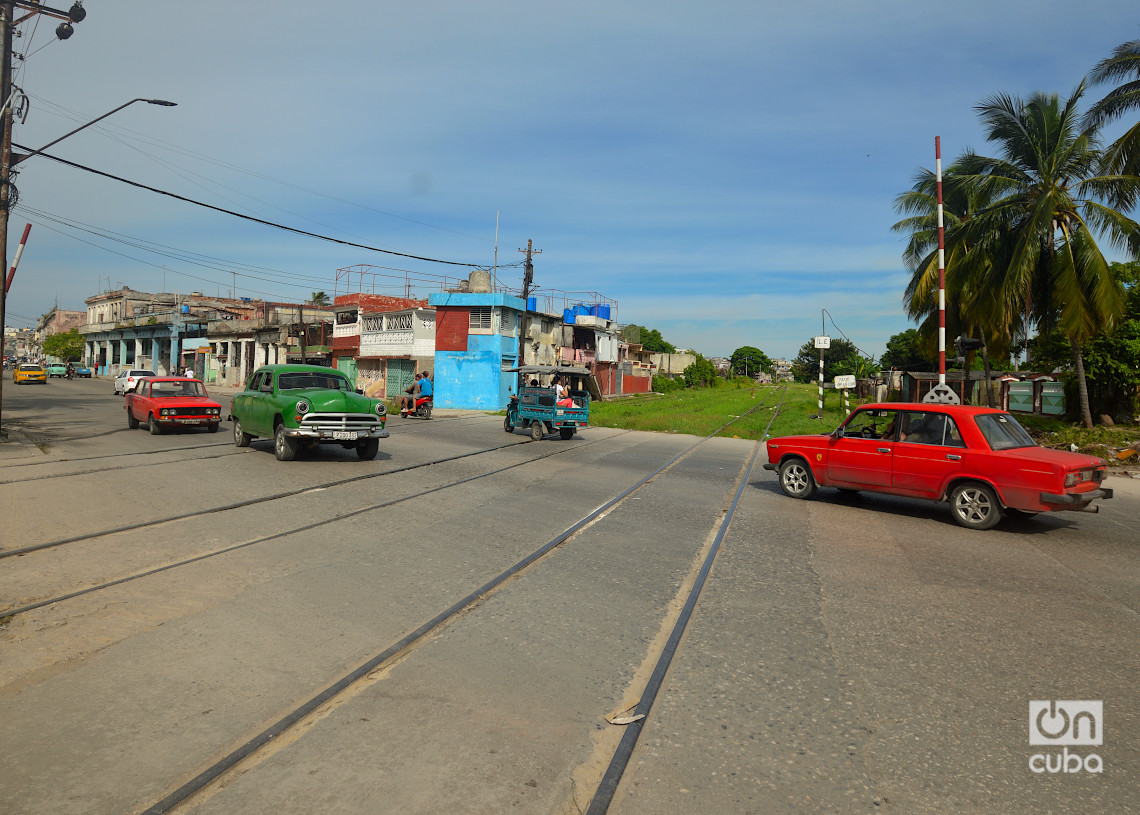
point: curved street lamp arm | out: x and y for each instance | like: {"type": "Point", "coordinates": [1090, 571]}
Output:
{"type": "Point", "coordinates": [18, 159]}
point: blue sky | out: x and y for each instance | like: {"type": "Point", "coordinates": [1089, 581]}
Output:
{"type": "Point", "coordinates": [724, 170]}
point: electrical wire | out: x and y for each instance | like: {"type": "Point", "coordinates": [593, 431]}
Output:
{"type": "Point", "coordinates": [856, 347]}
{"type": "Point", "coordinates": [109, 130]}
{"type": "Point", "coordinates": [250, 217]}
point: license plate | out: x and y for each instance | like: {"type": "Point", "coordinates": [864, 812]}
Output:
{"type": "Point", "coordinates": [189, 421]}
{"type": "Point", "coordinates": [344, 435]}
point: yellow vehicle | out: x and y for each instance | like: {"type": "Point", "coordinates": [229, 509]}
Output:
{"type": "Point", "coordinates": [29, 372]}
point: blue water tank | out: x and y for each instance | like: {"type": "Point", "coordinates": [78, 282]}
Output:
{"type": "Point", "coordinates": [602, 310]}
{"type": "Point", "coordinates": [532, 304]}
{"type": "Point", "coordinates": [581, 308]}
{"type": "Point", "coordinates": [568, 316]}
{"type": "Point", "coordinates": [185, 309]}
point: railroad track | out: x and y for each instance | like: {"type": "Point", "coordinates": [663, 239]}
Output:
{"type": "Point", "coordinates": [403, 647]}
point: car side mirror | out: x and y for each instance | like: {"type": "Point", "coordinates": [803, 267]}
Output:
{"type": "Point", "coordinates": [360, 391]}
{"type": "Point", "coordinates": [837, 433]}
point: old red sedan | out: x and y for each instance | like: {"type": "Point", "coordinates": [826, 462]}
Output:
{"type": "Point", "coordinates": [170, 402]}
{"type": "Point", "coordinates": [979, 459]}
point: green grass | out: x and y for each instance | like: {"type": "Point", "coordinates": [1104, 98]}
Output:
{"type": "Point", "coordinates": [699, 412]}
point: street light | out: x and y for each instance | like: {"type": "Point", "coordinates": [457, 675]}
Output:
{"type": "Point", "coordinates": [17, 158]}
{"type": "Point", "coordinates": [8, 160]}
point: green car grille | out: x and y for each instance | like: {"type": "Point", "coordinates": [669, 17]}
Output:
{"type": "Point", "coordinates": [339, 421]}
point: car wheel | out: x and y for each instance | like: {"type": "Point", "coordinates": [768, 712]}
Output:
{"type": "Point", "coordinates": [507, 426]}
{"type": "Point", "coordinates": [536, 431]}
{"type": "Point", "coordinates": [155, 430]}
{"type": "Point", "coordinates": [283, 447]}
{"type": "Point", "coordinates": [566, 433]}
{"type": "Point", "coordinates": [368, 448]}
{"type": "Point", "coordinates": [241, 438]}
{"type": "Point", "coordinates": [796, 479]}
{"type": "Point", "coordinates": [213, 427]}
{"type": "Point", "coordinates": [975, 506]}
{"type": "Point", "coordinates": [132, 422]}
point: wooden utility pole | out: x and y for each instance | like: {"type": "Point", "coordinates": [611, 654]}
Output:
{"type": "Point", "coordinates": [7, 11]}
{"type": "Point", "coordinates": [528, 278]}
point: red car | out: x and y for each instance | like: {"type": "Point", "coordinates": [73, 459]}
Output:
{"type": "Point", "coordinates": [979, 459]}
{"type": "Point", "coordinates": [169, 402]}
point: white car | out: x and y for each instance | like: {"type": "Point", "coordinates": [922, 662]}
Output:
{"type": "Point", "coordinates": [128, 378]}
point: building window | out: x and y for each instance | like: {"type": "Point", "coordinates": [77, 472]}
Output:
{"type": "Point", "coordinates": [346, 318]}
{"type": "Point", "coordinates": [480, 320]}
{"type": "Point", "coordinates": [399, 322]}
{"type": "Point", "coordinates": [507, 321]}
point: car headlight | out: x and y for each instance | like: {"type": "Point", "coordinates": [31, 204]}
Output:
{"type": "Point", "coordinates": [381, 409]}
{"type": "Point", "coordinates": [303, 407]}
{"type": "Point", "coordinates": [167, 411]}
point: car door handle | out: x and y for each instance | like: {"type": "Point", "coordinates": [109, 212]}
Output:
{"type": "Point", "coordinates": [952, 457]}
{"type": "Point", "coordinates": [884, 449]}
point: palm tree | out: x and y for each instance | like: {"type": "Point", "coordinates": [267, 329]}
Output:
{"type": "Point", "coordinates": [1122, 156]}
{"type": "Point", "coordinates": [319, 298]}
{"type": "Point", "coordinates": [1049, 198]}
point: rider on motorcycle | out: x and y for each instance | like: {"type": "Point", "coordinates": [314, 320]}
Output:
{"type": "Point", "coordinates": [70, 371]}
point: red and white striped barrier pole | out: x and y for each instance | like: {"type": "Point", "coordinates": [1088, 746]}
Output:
{"type": "Point", "coordinates": [16, 260]}
{"type": "Point", "coordinates": [941, 265]}
{"type": "Point", "coordinates": [941, 392]}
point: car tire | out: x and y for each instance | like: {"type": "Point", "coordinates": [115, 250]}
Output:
{"type": "Point", "coordinates": [566, 433]}
{"type": "Point", "coordinates": [153, 426]}
{"type": "Point", "coordinates": [507, 426]}
{"type": "Point", "coordinates": [975, 506]}
{"type": "Point", "coordinates": [283, 447]}
{"type": "Point", "coordinates": [213, 427]}
{"type": "Point", "coordinates": [241, 438]}
{"type": "Point", "coordinates": [796, 479]}
{"type": "Point", "coordinates": [132, 422]}
{"type": "Point", "coordinates": [367, 449]}
{"type": "Point", "coordinates": [536, 431]}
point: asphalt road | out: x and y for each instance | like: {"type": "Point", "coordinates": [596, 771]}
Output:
{"type": "Point", "coordinates": [848, 654]}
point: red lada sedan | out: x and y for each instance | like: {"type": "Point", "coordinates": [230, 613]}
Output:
{"type": "Point", "coordinates": [979, 459]}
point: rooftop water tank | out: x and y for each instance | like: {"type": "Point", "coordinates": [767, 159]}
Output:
{"type": "Point", "coordinates": [480, 281]}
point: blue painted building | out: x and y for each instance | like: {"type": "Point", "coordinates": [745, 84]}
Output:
{"type": "Point", "coordinates": [477, 336]}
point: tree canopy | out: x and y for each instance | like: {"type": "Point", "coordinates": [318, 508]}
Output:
{"type": "Point", "coordinates": [805, 367]}
{"type": "Point", "coordinates": [650, 339]}
{"type": "Point", "coordinates": [67, 346]}
{"type": "Point", "coordinates": [906, 351]}
{"type": "Point", "coordinates": [747, 360]}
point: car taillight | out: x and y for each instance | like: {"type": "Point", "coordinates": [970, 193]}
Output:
{"type": "Point", "coordinates": [1072, 479]}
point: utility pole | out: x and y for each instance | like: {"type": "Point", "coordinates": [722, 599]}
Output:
{"type": "Point", "coordinates": [528, 278]}
{"type": "Point", "coordinates": [7, 10]}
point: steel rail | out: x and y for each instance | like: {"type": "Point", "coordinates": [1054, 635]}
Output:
{"type": "Point", "coordinates": [6, 553]}
{"type": "Point", "coordinates": [604, 794]}
{"type": "Point", "coordinates": [407, 643]}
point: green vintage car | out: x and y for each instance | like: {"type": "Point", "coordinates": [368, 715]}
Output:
{"type": "Point", "coordinates": [301, 406]}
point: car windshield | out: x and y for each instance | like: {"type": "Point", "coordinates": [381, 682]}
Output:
{"type": "Point", "coordinates": [298, 381]}
{"type": "Point", "coordinates": [177, 389]}
{"type": "Point", "coordinates": [1002, 432]}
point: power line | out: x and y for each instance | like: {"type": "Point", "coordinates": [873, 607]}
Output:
{"type": "Point", "coordinates": [837, 328]}
{"type": "Point", "coordinates": [110, 130]}
{"type": "Point", "coordinates": [250, 217]}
